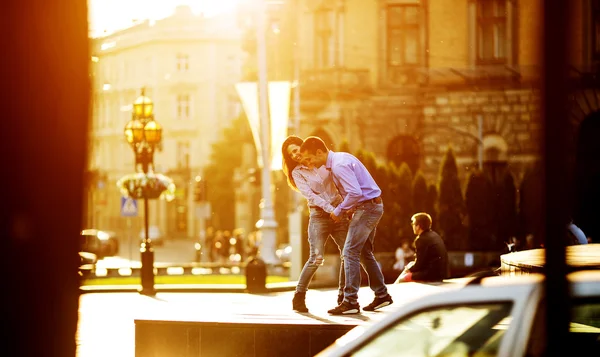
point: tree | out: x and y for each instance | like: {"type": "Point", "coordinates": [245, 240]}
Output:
{"type": "Point", "coordinates": [531, 212]}
{"type": "Point", "coordinates": [405, 200]}
{"type": "Point", "coordinates": [344, 146]}
{"type": "Point", "coordinates": [225, 157]}
{"type": "Point", "coordinates": [479, 199]}
{"type": "Point", "coordinates": [385, 179]}
{"type": "Point", "coordinates": [419, 193]}
{"type": "Point", "coordinates": [506, 204]}
{"type": "Point", "coordinates": [432, 203]}
{"type": "Point", "coordinates": [451, 203]}
{"type": "Point", "coordinates": [370, 163]}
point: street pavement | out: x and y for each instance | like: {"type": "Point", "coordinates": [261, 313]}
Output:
{"type": "Point", "coordinates": [172, 251]}
{"type": "Point", "coordinates": [106, 320]}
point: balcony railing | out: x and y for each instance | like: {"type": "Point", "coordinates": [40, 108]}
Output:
{"type": "Point", "coordinates": [337, 80]}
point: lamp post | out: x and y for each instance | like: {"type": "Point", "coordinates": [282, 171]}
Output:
{"type": "Point", "coordinates": [144, 135]}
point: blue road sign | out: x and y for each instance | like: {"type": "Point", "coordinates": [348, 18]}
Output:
{"type": "Point", "coordinates": [129, 207]}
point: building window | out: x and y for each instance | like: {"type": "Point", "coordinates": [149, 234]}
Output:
{"type": "Point", "coordinates": [492, 41]}
{"type": "Point", "coordinates": [183, 106]}
{"type": "Point", "coordinates": [403, 42]}
{"type": "Point", "coordinates": [183, 62]}
{"type": "Point", "coordinates": [324, 40]}
{"type": "Point", "coordinates": [183, 154]}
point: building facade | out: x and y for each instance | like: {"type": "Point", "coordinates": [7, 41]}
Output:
{"type": "Point", "coordinates": [406, 79]}
{"type": "Point", "coordinates": [188, 65]}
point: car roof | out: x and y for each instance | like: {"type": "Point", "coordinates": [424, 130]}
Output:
{"type": "Point", "coordinates": [89, 232]}
{"type": "Point", "coordinates": [490, 289]}
{"type": "Point", "coordinates": [517, 288]}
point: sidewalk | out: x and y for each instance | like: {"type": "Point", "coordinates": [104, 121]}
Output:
{"type": "Point", "coordinates": [197, 288]}
{"type": "Point", "coordinates": [106, 320]}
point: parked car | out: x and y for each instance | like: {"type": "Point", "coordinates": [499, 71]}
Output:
{"type": "Point", "coordinates": [87, 264]}
{"type": "Point", "coordinates": [101, 243]}
{"type": "Point", "coordinates": [499, 316]}
{"type": "Point", "coordinates": [154, 234]}
{"type": "Point", "coordinates": [87, 259]}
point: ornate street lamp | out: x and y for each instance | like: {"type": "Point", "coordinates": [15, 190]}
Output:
{"type": "Point", "coordinates": [145, 135]}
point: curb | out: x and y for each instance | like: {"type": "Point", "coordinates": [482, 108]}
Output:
{"type": "Point", "coordinates": [201, 288]}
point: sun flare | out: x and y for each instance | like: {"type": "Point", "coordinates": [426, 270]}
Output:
{"type": "Point", "coordinates": [106, 16]}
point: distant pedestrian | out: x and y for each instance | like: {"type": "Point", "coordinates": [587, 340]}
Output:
{"type": "Point", "coordinates": [576, 235]}
{"type": "Point", "coordinates": [431, 257]}
{"type": "Point", "coordinates": [404, 255]}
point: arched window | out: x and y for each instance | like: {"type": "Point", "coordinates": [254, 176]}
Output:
{"type": "Point", "coordinates": [405, 149]}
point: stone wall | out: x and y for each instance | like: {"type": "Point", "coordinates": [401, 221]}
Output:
{"type": "Point", "coordinates": [451, 119]}
{"type": "Point", "coordinates": [439, 119]}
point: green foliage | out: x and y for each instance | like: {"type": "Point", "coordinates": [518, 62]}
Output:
{"type": "Point", "coordinates": [383, 179]}
{"type": "Point", "coordinates": [405, 201]}
{"type": "Point", "coordinates": [449, 183]}
{"type": "Point", "coordinates": [451, 203]}
{"type": "Point", "coordinates": [432, 201]}
{"type": "Point", "coordinates": [225, 157]}
{"type": "Point", "coordinates": [361, 154]}
{"type": "Point", "coordinates": [370, 162]}
{"type": "Point", "coordinates": [387, 226]}
{"type": "Point", "coordinates": [479, 201]}
{"type": "Point", "coordinates": [419, 193]}
{"type": "Point", "coordinates": [344, 146]}
{"type": "Point", "coordinates": [506, 205]}
{"type": "Point", "coordinates": [530, 204]}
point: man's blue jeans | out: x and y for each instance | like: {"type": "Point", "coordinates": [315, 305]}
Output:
{"type": "Point", "coordinates": [358, 251]}
{"type": "Point", "coordinates": [320, 227]}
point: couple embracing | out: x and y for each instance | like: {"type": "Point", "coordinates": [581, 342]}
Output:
{"type": "Point", "coordinates": [345, 203]}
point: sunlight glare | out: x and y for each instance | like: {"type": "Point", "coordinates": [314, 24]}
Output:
{"type": "Point", "coordinates": [107, 16]}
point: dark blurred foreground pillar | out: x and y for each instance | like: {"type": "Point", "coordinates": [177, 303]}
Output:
{"type": "Point", "coordinates": [557, 179]}
{"type": "Point", "coordinates": [45, 101]}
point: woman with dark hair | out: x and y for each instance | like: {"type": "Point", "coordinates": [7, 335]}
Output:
{"type": "Point", "coordinates": [316, 185]}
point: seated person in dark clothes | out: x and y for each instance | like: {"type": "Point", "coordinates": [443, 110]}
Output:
{"type": "Point", "coordinates": [431, 262]}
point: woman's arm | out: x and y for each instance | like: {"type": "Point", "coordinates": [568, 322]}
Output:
{"type": "Point", "coordinates": [312, 198]}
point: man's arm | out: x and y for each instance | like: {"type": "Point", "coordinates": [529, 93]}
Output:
{"type": "Point", "coordinates": [347, 178]}
{"type": "Point", "coordinates": [312, 198]}
{"type": "Point", "coordinates": [421, 249]}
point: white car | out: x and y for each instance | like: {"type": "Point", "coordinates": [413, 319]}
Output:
{"type": "Point", "coordinates": [500, 316]}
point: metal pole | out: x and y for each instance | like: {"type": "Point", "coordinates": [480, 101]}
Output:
{"type": "Point", "coordinates": [130, 239]}
{"type": "Point", "coordinates": [147, 273]}
{"type": "Point", "coordinates": [557, 185]}
{"type": "Point", "coordinates": [295, 216]}
{"type": "Point", "coordinates": [480, 143]}
{"type": "Point", "coordinates": [269, 225]}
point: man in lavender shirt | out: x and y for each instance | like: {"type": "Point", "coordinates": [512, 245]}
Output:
{"type": "Point", "coordinates": [361, 199]}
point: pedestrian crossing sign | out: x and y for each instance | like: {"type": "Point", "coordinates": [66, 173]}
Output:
{"type": "Point", "coordinates": [129, 207]}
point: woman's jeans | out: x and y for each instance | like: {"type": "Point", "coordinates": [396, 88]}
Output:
{"type": "Point", "coordinates": [320, 227]}
{"type": "Point", "coordinates": [358, 251]}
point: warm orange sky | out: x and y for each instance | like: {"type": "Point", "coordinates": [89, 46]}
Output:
{"type": "Point", "coordinates": [116, 14]}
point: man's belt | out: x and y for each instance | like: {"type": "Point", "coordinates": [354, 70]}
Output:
{"type": "Point", "coordinates": [376, 200]}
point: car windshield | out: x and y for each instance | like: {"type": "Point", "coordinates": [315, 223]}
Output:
{"type": "Point", "coordinates": [584, 329]}
{"type": "Point", "coordinates": [456, 330]}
